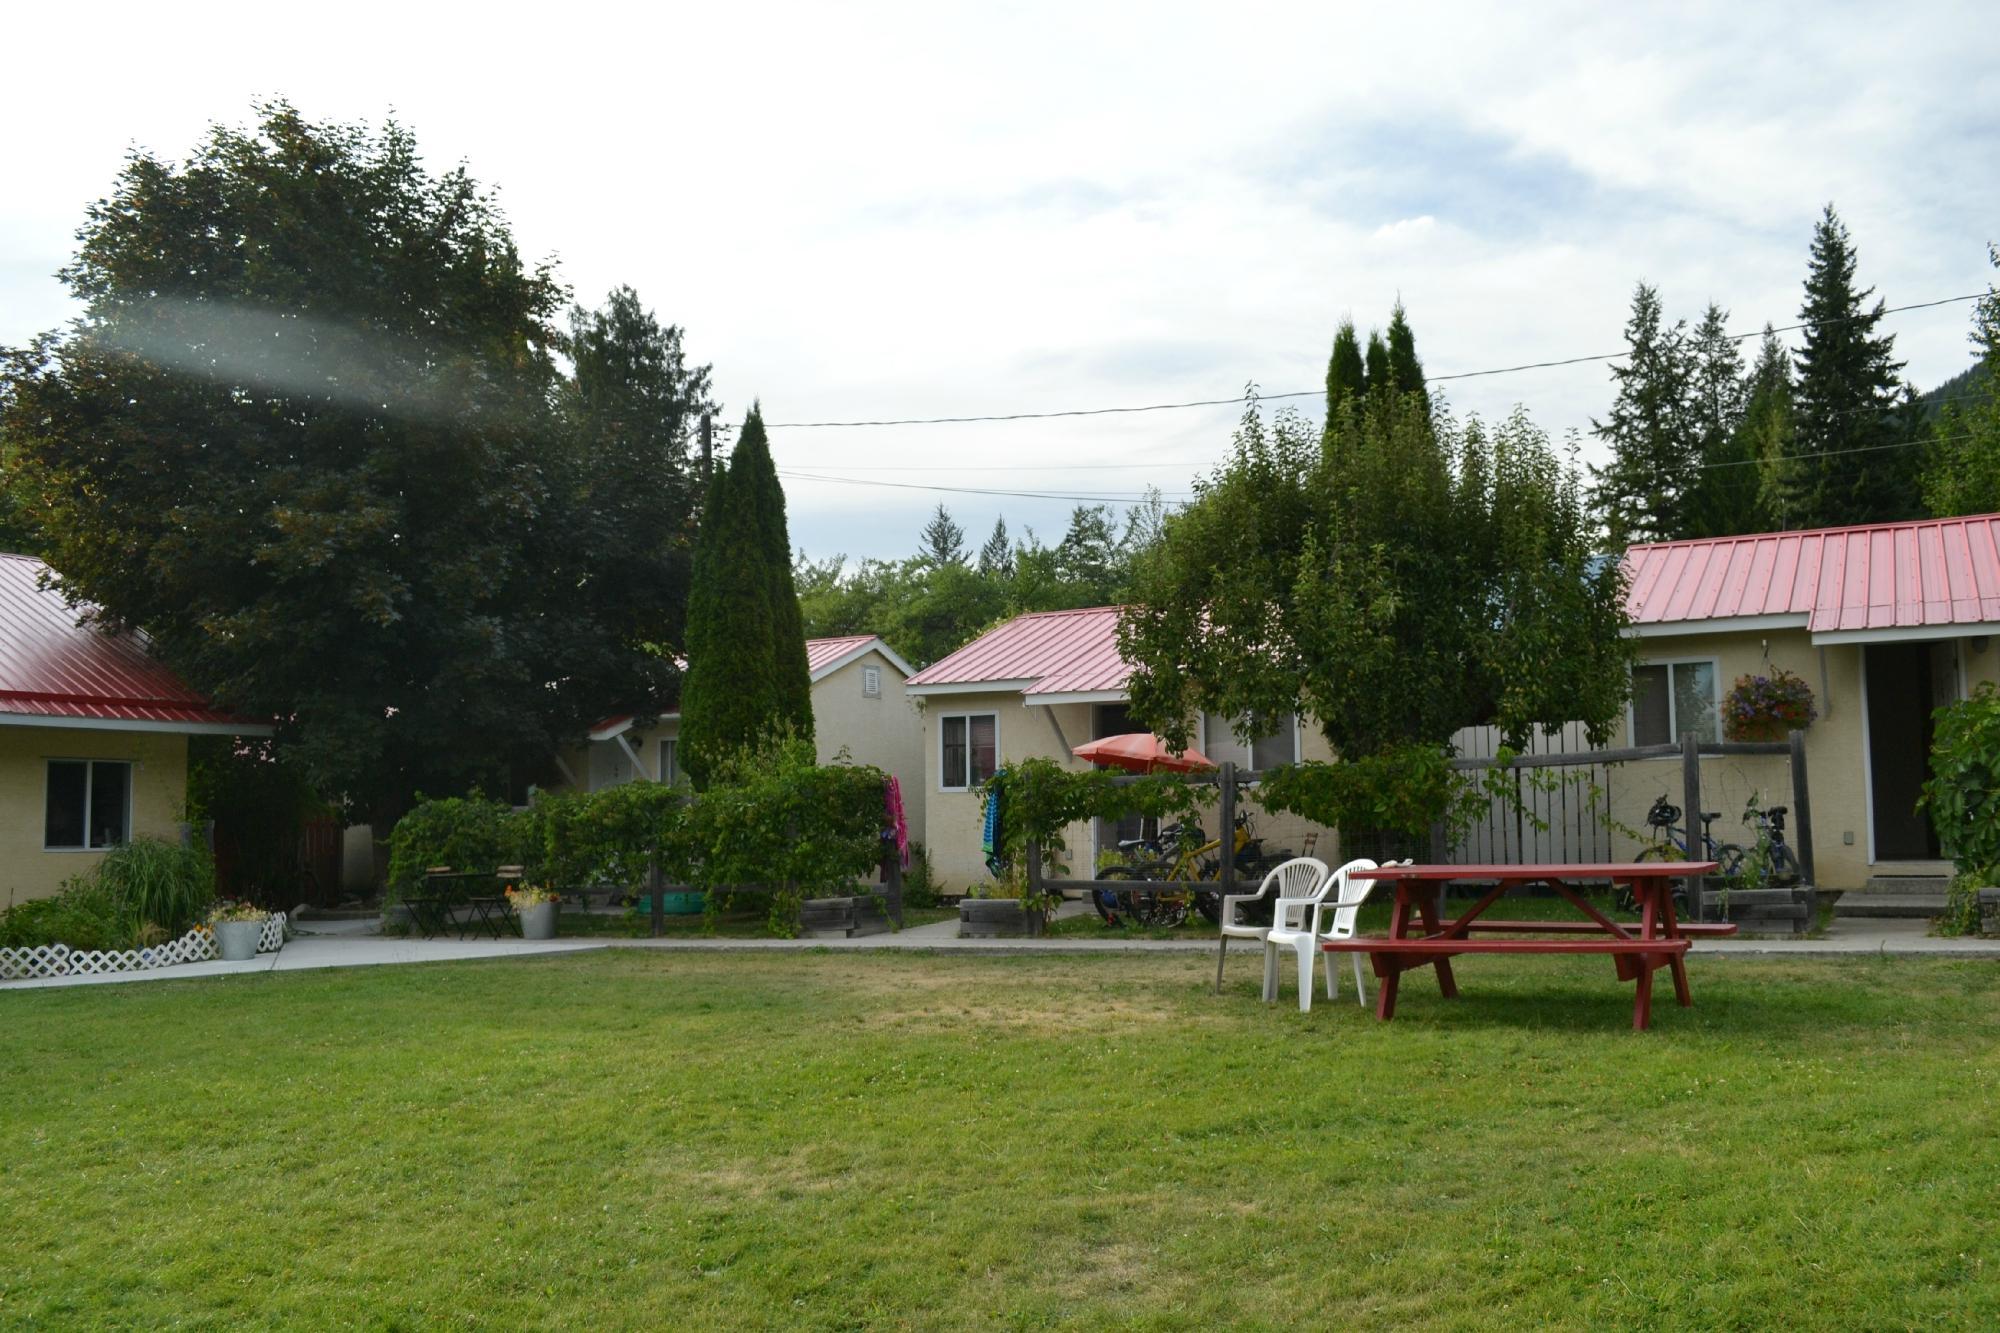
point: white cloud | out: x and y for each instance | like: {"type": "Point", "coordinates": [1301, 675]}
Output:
{"type": "Point", "coordinates": [928, 210]}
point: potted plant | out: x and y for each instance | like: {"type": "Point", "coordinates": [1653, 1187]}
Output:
{"type": "Point", "coordinates": [535, 906]}
{"type": "Point", "coordinates": [1767, 708]}
{"type": "Point", "coordinates": [238, 926]}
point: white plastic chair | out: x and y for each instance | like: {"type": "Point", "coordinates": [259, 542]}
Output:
{"type": "Point", "coordinates": [1332, 917]}
{"type": "Point", "coordinates": [1303, 878]}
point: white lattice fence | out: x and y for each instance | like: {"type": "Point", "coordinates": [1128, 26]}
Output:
{"type": "Point", "coordinates": [59, 960]}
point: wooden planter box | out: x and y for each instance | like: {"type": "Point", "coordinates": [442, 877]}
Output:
{"type": "Point", "coordinates": [1767, 911]}
{"type": "Point", "coordinates": [997, 918]}
{"type": "Point", "coordinates": [842, 918]}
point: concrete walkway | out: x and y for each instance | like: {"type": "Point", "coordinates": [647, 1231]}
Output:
{"type": "Point", "coordinates": [352, 944]}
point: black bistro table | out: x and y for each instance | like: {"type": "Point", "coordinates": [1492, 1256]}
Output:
{"type": "Point", "coordinates": [435, 910]}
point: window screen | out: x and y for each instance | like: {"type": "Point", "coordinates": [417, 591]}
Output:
{"type": "Point", "coordinates": [1652, 716]}
{"type": "Point", "coordinates": [952, 771]}
{"type": "Point", "coordinates": [89, 804]}
{"type": "Point", "coordinates": [985, 750]}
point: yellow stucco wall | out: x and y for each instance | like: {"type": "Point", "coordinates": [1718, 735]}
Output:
{"type": "Point", "coordinates": [1836, 769]}
{"type": "Point", "coordinates": [159, 791]}
{"type": "Point", "coordinates": [953, 819]}
{"type": "Point", "coordinates": [884, 730]}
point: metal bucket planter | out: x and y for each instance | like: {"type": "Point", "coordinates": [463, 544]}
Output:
{"type": "Point", "coordinates": [997, 918]}
{"type": "Point", "coordinates": [538, 922]}
{"type": "Point", "coordinates": [842, 918]}
{"type": "Point", "coordinates": [236, 941]}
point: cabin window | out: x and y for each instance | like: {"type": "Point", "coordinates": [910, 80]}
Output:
{"type": "Point", "coordinates": [89, 804]}
{"type": "Point", "coordinates": [1276, 744]}
{"type": "Point", "coordinates": [670, 761]}
{"type": "Point", "coordinates": [969, 749]}
{"type": "Point", "coordinates": [1669, 698]}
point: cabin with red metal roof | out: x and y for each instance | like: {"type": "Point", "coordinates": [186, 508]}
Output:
{"type": "Point", "coordinates": [93, 737]}
{"type": "Point", "coordinates": [1884, 623]}
{"type": "Point", "coordinates": [859, 709]}
{"type": "Point", "coordinates": [1038, 686]}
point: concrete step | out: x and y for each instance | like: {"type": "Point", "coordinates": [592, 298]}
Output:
{"type": "Point", "coordinates": [1908, 905]}
{"type": "Point", "coordinates": [1924, 886]}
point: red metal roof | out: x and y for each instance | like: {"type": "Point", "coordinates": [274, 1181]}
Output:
{"type": "Point", "coordinates": [1044, 652]}
{"type": "Point", "coordinates": [1938, 572]}
{"type": "Point", "coordinates": [51, 667]}
{"type": "Point", "coordinates": [825, 652]}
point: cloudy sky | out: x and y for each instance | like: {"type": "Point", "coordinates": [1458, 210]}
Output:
{"type": "Point", "coordinates": [874, 212]}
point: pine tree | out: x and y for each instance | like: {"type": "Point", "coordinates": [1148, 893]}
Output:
{"type": "Point", "coordinates": [1963, 474]}
{"type": "Point", "coordinates": [1727, 495]}
{"type": "Point", "coordinates": [1768, 427]}
{"type": "Point", "coordinates": [1345, 376]}
{"type": "Point", "coordinates": [1380, 375]}
{"type": "Point", "coordinates": [943, 541]}
{"type": "Point", "coordinates": [746, 678]}
{"type": "Point", "coordinates": [1406, 372]}
{"type": "Point", "coordinates": [1848, 465]}
{"type": "Point", "coordinates": [1639, 495]}
{"type": "Point", "coordinates": [996, 557]}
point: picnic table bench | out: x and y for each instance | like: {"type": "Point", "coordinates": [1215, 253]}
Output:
{"type": "Point", "coordinates": [1637, 949]}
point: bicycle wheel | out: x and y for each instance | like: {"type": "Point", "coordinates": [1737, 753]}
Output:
{"type": "Point", "coordinates": [1113, 905]}
{"type": "Point", "coordinates": [1728, 859]}
{"type": "Point", "coordinates": [1626, 900]}
{"type": "Point", "coordinates": [1785, 869]}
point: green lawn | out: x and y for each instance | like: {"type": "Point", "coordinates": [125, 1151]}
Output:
{"type": "Point", "coordinates": [647, 1140]}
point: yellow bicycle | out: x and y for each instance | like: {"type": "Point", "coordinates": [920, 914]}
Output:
{"type": "Point", "coordinates": [1193, 862]}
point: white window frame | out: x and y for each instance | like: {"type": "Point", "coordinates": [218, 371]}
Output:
{"type": "Point", "coordinates": [943, 718]}
{"type": "Point", "coordinates": [871, 682]}
{"type": "Point", "coordinates": [668, 762]}
{"type": "Point", "coordinates": [89, 794]}
{"type": "Point", "coordinates": [1249, 753]}
{"type": "Point", "coordinates": [1714, 666]}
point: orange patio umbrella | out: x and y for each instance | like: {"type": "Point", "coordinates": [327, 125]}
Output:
{"type": "Point", "coordinates": [1142, 752]}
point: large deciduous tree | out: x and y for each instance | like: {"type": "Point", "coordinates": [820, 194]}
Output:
{"type": "Point", "coordinates": [1402, 579]}
{"type": "Point", "coordinates": [307, 434]}
{"type": "Point", "coordinates": [1848, 462]}
{"type": "Point", "coordinates": [747, 681]}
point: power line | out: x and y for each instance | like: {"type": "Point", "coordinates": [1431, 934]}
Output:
{"type": "Point", "coordinates": [1117, 497]}
{"type": "Point", "coordinates": [1312, 393]}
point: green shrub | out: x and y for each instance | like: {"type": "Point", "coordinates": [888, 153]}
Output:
{"type": "Point", "coordinates": [159, 882]}
{"type": "Point", "coordinates": [83, 916]}
{"type": "Point", "coordinates": [610, 836]}
{"type": "Point", "coordinates": [467, 833]}
{"type": "Point", "coordinates": [1963, 792]}
{"type": "Point", "coordinates": [920, 888]}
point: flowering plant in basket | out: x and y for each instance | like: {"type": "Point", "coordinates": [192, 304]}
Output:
{"type": "Point", "coordinates": [530, 895]}
{"type": "Point", "coordinates": [232, 910]}
{"type": "Point", "coordinates": [1766, 708]}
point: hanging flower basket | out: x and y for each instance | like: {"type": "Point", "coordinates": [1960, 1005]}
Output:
{"type": "Point", "coordinates": [1767, 708]}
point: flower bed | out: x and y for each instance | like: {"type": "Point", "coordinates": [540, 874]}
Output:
{"type": "Point", "coordinates": [59, 960]}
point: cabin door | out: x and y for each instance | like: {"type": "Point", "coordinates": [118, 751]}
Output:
{"type": "Point", "coordinates": [1905, 681]}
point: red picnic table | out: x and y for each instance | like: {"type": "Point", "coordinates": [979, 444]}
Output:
{"type": "Point", "coordinates": [1638, 949]}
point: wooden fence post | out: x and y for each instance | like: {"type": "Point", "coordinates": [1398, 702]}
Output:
{"type": "Point", "coordinates": [892, 880]}
{"type": "Point", "coordinates": [655, 882]}
{"type": "Point", "coordinates": [1691, 814]}
{"type": "Point", "coordinates": [1802, 808]}
{"type": "Point", "coordinates": [1228, 833]}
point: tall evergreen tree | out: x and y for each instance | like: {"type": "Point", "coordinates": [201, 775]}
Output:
{"type": "Point", "coordinates": [1640, 493]}
{"type": "Point", "coordinates": [1963, 474]}
{"type": "Point", "coordinates": [746, 678]}
{"type": "Point", "coordinates": [996, 557]}
{"type": "Point", "coordinates": [1406, 372]}
{"type": "Point", "coordinates": [1768, 427]}
{"type": "Point", "coordinates": [1345, 375]}
{"type": "Point", "coordinates": [1847, 466]}
{"type": "Point", "coordinates": [1376, 363]}
{"type": "Point", "coordinates": [1726, 497]}
{"type": "Point", "coordinates": [943, 541]}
